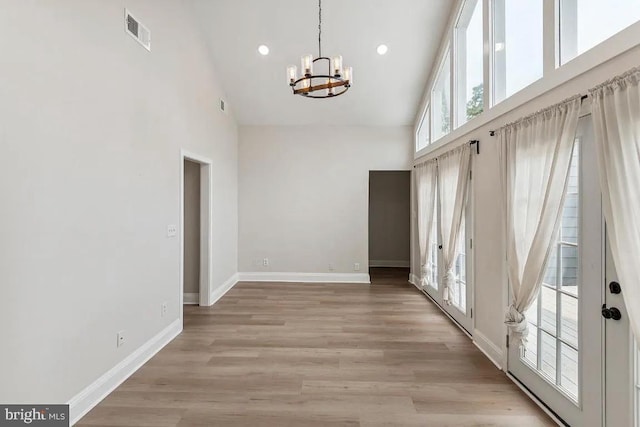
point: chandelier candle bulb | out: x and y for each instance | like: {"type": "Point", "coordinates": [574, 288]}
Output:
{"type": "Point", "coordinates": [292, 74]}
{"type": "Point", "coordinates": [348, 75]}
{"type": "Point", "coordinates": [337, 65]}
{"type": "Point", "coordinates": [307, 65]}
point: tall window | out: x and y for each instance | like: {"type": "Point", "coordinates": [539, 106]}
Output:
{"type": "Point", "coordinates": [423, 131]}
{"type": "Point", "coordinates": [441, 100]}
{"type": "Point", "coordinates": [518, 55]}
{"type": "Point", "coordinates": [586, 23]}
{"type": "Point", "coordinates": [552, 347]}
{"type": "Point", "coordinates": [469, 62]}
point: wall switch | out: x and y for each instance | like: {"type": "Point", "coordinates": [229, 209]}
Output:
{"type": "Point", "coordinates": [121, 339]}
{"type": "Point", "coordinates": [172, 230]}
{"type": "Point", "coordinates": [265, 262]}
{"type": "Point", "coordinates": [163, 309]}
{"type": "Point", "coordinates": [356, 266]}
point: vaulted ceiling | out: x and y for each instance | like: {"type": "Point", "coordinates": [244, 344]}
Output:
{"type": "Point", "coordinates": [387, 89]}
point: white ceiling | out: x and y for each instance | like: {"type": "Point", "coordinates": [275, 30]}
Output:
{"type": "Point", "coordinates": [387, 89]}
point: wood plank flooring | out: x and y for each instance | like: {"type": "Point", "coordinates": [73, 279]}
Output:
{"type": "Point", "coordinates": [283, 354]}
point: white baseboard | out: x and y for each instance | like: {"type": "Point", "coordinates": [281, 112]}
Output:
{"type": "Point", "coordinates": [389, 263]}
{"type": "Point", "coordinates": [84, 401]}
{"type": "Point", "coordinates": [415, 281]}
{"type": "Point", "coordinates": [191, 298]}
{"type": "Point", "coordinates": [492, 351]}
{"type": "Point", "coordinates": [226, 286]}
{"type": "Point", "coordinates": [305, 277]}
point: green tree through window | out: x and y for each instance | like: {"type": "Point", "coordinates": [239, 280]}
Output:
{"type": "Point", "coordinates": [475, 106]}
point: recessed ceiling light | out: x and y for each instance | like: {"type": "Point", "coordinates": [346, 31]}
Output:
{"type": "Point", "coordinates": [382, 49]}
{"type": "Point", "coordinates": [263, 49]}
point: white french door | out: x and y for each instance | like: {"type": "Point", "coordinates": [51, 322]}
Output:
{"type": "Point", "coordinates": [461, 308]}
{"type": "Point", "coordinates": [563, 358]}
{"type": "Point", "coordinates": [579, 359]}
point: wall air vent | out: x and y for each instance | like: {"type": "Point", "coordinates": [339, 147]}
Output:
{"type": "Point", "coordinates": [136, 30]}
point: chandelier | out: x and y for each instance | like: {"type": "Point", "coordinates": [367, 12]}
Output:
{"type": "Point", "coordinates": [335, 82]}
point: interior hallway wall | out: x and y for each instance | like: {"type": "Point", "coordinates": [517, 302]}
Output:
{"type": "Point", "coordinates": [91, 132]}
{"type": "Point", "coordinates": [191, 227]}
{"type": "Point", "coordinates": [304, 194]}
{"type": "Point", "coordinates": [389, 218]}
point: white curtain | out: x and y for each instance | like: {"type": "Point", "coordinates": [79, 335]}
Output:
{"type": "Point", "coordinates": [535, 155]}
{"type": "Point", "coordinates": [453, 182]}
{"type": "Point", "coordinates": [426, 191]}
{"type": "Point", "coordinates": [616, 118]}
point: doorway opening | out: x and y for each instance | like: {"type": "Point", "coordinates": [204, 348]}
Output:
{"type": "Point", "coordinates": [389, 225]}
{"type": "Point", "coordinates": [195, 223]}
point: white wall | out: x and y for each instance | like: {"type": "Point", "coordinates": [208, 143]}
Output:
{"type": "Point", "coordinates": [490, 276]}
{"type": "Point", "coordinates": [91, 127]}
{"type": "Point", "coordinates": [304, 194]}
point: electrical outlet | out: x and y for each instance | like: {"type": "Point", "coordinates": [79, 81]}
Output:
{"type": "Point", "coordinates": [265, 262]}
{"type": "Point", "coordinates": [121, 339]}
{"type": "Point", "coordinates": [172, 230]}
{"type": "Point", "coordinates": [356, 266]}
{"type": "Point", "coordinates": [330, 267]}
{"type": "Point", "coordinates": [163, 309]}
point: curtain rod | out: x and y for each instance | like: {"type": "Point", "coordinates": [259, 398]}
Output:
{"type": "Point", "coordinates": [582, 98]}
{"type": "Point", "coordinates": [472, 142]}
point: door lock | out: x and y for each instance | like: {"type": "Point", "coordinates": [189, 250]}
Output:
{"type": "Point", "coordinates": [615, 288]}
{"type": "Point", "coordinates": [611, 313]}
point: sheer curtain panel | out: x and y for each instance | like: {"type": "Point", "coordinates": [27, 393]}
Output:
{"type": "Point", "coordinates": [535, 155]}
{"type": "Point", "coordinates": [453, 182]}
{"type": "Point", "coordinates": [425, 174]}
{"type": "Point", "coordinates": [616, 120]}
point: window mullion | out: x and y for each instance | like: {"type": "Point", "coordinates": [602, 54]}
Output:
{"type": "Point", "coordinates": [550, 39]}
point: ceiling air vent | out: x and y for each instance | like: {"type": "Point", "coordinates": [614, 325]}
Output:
{"type": "Point", "coordinates": [137, 30]}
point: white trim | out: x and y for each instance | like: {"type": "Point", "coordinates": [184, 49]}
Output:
{"type": "Point", "coordinates": [88, 398]}
{"type": "Point", "coordinates": [414, 280]}
{"type": "Point", "coordinates": [206, 227]}
{"type": "Point", "coordinates": [537, 401]}
{"type": "Point", "coordinates": [492, 351]}
{"type": "Point", "coordinates": [305, 277]}
{"type": "Point", "coordinates": [191, 298]}
{"type": "Point", "coordinates": [389, 263]}
{"type": "Point", "coordinates": [223, 289]}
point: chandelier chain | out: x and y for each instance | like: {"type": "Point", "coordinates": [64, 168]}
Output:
{"type": "Point", "coordinates": [319, 28]}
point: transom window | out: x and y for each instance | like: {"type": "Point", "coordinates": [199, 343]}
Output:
{"type": "Point", "coordinates": [587, 23]}
{"type": "Point", "coordinates": [469, 62]}
{"type": "Point", "coordinates": [441, 100]}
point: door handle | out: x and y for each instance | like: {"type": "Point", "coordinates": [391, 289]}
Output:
{"type": "Point", "coordinates": [611, 313]}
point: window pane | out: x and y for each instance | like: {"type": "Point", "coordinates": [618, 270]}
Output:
{"type": "Point", "coordinates": [570, 217]}
{"type": "Point", "coordinates": [586, 23]}
{"type": "Point", "coordinates": [532, 313]}
{"type": "Point", "coordinates": [569, 319]}
{"type": "Point", "coordinates": [460, 266]}
{"type": "Point", "coordinates": [518, 59]}
{"type": "Point", "coordinates": [569, 369]}
{"type": "Point", "coordinates": [548, 313]}
{"type": "Point", "coordinates": [548, 356]}
{"type": "Point", "coordinates": [423, 131]}
{"type": "Point", "coordinates": [441, 100]}
{"type": "Point", "coordinates": [551, 274]}
{"type": "Point", "coordinates": [469, 73]}
{"type": "Point", "coordinates": [531, 350]}
{"type": "Point", "coordinates": [433, 261]}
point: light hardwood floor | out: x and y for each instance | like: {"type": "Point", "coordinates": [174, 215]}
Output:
{"type": "Point", "coordinates": [282, 354]}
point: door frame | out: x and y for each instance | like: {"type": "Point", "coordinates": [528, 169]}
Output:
{"type": "Point", "coordinates": [206, 238]}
